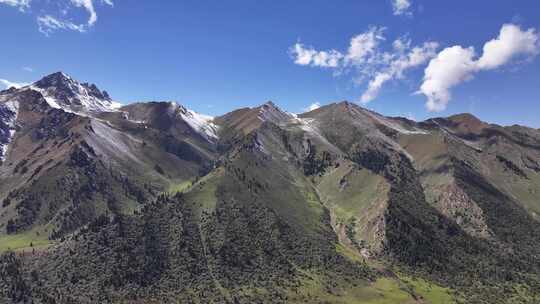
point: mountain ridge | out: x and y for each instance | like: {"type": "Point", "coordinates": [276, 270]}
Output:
{"type": "Point", "coordinates": [94, 90]}
{"type": "Point", "coordinates": [262, 205]}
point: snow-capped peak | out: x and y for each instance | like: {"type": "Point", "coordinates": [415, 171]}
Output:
{"type": "Point", "coordinates": [63, 92]}
{"type": "Point", "coordinates": [203, 124]}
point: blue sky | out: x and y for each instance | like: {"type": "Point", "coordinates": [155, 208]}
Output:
{"type": "Point", "coordinates": [215, 56]}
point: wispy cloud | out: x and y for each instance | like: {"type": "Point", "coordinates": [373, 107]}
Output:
{"type": "Point", "coordinates": [363, 46]}
{"type": "Point", "coordinates": [403, 60]}
{"type": "Point", "coordinates": [20, 4]}
{"type": "Point", "coordinates": [9, 84]}
{"type": "Point", "coordinates": [28, 69]}
{"type": "Point", "coordinates": [51, 19]}
{"type": "Point", "coordinates": [89, 6]}
{"type": "Point", "coordinates": [368, 61]}
{"type": "Point", "coordinates": [49, 24]}
{"type": "Point", "coordinates": [455, 65]}
{"type": "Point", "coordinates": [401, 7]}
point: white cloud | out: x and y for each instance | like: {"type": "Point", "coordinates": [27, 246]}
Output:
{"type": "Point", "coordinates": [309, 56]}
{"type": "Point", "coordinates": [48, 24]}
{"type": "Point", "coordinates": [400, 45]}
{"type": "Point", "coordinates": [401, 7]}
{"type": "Point", "coordinates": [364, 45]}
{"type": "Point", "coordinates": [312, 107]}
{"type": "Point", "coordinates": [21, 4]}
{"type": "Point", "coordinates": [361, 47]}
{"type": "Point", "coordinates": [452, 66]}
{"type": "Point", "coordinates": [455, 65]}
{"type": "Point", "coordinates": [401, 62]}
{"type": "Point", "coordinates": [89, 6]}
{"type": "Point", "coordinates": [365, 58]}
{"type": "Point", "coordinates": [512, 41]}
{"type": "Point", "coordinates": [28, 69]}
{"type": "Point", "coordinates": [374, 86]}
{"type": "Point", "coordinates": [55, 16]}
{"type": "Point", "coordinates": [9, 84]}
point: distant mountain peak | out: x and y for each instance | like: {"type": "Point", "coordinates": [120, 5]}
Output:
{"type": "Point", "coordinates": [342, 106]}
{"type": "Point", "coordinates": [464, 123]}
{"type": "Point", "coordinates": [464, 118]}
{"type": "Point", "coordinates": [345, 103]}
{"type": "Point", "coordinates": [270, 104]}
{"type": "Point", "coordinates": [62, 91]}
{"type": "Point", "coordinates": [272, 113]}
{"type": "Point", "coordinates": [55, 77]}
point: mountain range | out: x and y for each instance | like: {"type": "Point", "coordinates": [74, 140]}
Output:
{"type": "Point", "coordinates": [152, 202]}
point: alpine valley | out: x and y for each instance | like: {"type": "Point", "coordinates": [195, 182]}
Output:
{"type": "Point", "coordinates": [151, 202]}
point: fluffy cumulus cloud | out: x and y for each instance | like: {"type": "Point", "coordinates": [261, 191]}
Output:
{"type": "Point", "coordinates": [366, 58]}
{"type": "Point", "coordinates": [455, 65]}
{"type": "Point", "coordinates": [9, 84]}
{"type": "Point", "coordinates": [512, 41]}
{"type": "Point", "coordinates": [361, 47]}
{"type": "Point", "coordinates": [452, 66]}
{"type": "Point", "coordinates": [401, 7]}
{"type": "Point", "coordinates": [308, 56]}
{"type": "Point", "coordinates": [51, 19]}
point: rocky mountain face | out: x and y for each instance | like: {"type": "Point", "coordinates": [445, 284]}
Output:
{"type": "Point", "coordinates": [61, 91]}
{"type": "Point", "coordinates": [154, 203]}
{"type": "Point", "coordinates": [8, 116]}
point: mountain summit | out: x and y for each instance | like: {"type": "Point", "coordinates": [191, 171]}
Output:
{"type": "Point", "coordinates": [62, 91]}
{"type": "Point", "coordinates": [153, 202]}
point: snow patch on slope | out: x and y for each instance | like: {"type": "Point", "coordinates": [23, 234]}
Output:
{"type": "Point", "coordinates": [63, 92]}
{"type": "Point", "coordinates": [8, 116]}
{"type": "Point", "coordinates": [51, 101]}
{"type": "Point", "coordinates": [81, 103]}
{"type": "Point", "coordinates": [202, 124]}
{"type": "Point", "coordinates": [395, 126]}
